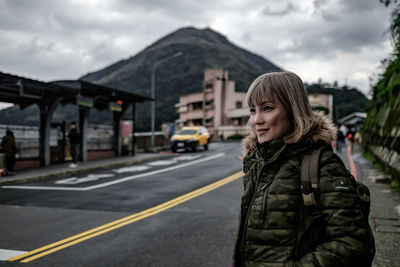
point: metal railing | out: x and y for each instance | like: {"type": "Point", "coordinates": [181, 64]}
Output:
{"type": "Point", "coordinates": [100, 137]}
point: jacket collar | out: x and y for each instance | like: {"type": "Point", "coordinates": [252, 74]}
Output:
{"type": "Point", "coordinates": [270, 150]}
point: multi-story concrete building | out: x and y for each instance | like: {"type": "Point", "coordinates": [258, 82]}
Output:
{"type": "Point", "coordinates": [226, 112]}
{"type": "Point", "coordinates": [322, 102]}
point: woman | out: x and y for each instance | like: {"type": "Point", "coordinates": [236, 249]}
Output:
{"type": "Point", "coordinates": [272, 219]}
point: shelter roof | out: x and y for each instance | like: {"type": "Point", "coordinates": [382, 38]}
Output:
{"type": "Point", "coordinates": [101, 96]}
{"type": "Point", "coordinates": [24, 91]}
{"type": "Point", "coordinates": [92, 90]}
{"type": "Point", "coordinates": [355, 116]}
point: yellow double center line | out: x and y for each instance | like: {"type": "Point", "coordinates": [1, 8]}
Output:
{"type": "Point", "coordinates": [53, 247]}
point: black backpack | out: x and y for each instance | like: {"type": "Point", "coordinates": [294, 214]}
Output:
{"type": "Point", "coordinates": [311, 193]}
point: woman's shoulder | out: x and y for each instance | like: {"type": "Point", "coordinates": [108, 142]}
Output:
{"type": "Point", "coordinates": [334, 176]}
{"type": "Point", "coordinates": [329, 159]}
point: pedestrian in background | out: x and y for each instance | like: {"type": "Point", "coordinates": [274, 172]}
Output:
{"type": "Point", "coordinates": [74, 142]}
{"type": "Point", "coordinates": [357, 137]}
{"type": "Point", "coordinates": [340, 139]}
{"type": "Point", "coordinates": [10, 150]}
{"type": "Point", "coordinates": [351, 137]}
{"type": "Point", "coordinates": [276, 228]}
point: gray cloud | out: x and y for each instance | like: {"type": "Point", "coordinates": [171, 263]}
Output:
{"type": "Point", "coordinates": [280, 12]}
{"type": "Point", "coordinates": [360, 5]}
{"type": "Point", "coordinates": [60, 39]}
{"type": "Point", "coordinates": [341, 30]}
{"type": "Point", "coordinates": [319, 3]}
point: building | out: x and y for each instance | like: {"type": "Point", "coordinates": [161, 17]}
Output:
{"type": "Point", "coordinates": [226, 112]}
{"type": "Point", "coordinates": [354, 120]}
{"type": "Point", "coordinates": [322, 102]}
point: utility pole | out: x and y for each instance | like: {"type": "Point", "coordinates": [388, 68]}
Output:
{"type": "Point", "coordinates": [153, 95]}
{"type": "Point", "coordinates": [204, 103]}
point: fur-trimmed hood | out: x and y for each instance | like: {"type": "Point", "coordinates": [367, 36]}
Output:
{"type": "Point", "coordinates": [321, 130]}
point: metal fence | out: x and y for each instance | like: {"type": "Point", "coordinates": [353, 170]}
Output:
{"type": "Point", "coordinates": [100, 137]}
{"type": "Point", "coordinates": [26, 138]}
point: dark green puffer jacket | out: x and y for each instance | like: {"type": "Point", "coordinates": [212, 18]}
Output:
{"type": "Point", "coordinates": [272, 212]}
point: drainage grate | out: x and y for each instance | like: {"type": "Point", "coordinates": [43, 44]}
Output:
{"type": "Point", "coordinates": [386, 225]}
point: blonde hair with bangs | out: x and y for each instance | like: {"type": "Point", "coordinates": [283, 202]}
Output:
{"type": "Point", "coordinates": [289, 89]}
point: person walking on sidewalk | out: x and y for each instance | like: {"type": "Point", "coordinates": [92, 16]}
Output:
{"type": "Point", "coordinates": [276, 228]}
{"type": "Point", "coordinates": [74, 142]}
{"type": "Point", "coordinates": [340, 139]}
{"type": "Point", "coordinates": [10, 150]}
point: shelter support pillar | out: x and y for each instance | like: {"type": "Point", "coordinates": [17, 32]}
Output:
{"type": "Point", "coordinates": [83, 128]}
{"type": "Point", "coordinates": [117, 116]}
{"type": "Point", "coordinates": [46, 112]}
{"type": "Point", "coordinates": [133, 128]}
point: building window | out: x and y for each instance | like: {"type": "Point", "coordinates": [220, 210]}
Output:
{"type": "Point", "coordinates": [244, 120]}
{"type": "Point", "coordinates": [239, 104]}
{"type": "Point", "coordinates": [209, 85]}
{"type": "Point", "coordinates": [197, 122]}
{"type": "Point", "coordinates": [197, 105]}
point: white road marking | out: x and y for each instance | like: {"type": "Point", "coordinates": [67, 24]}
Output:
{"type": "Point", "coordinates": [59, 188]}
{"type": "Point", "coordinates": [131, 169]}
{"type": "Point", "coordinates": [155, 163]}
{"type": "Point", "coordinates": [172, 161]}
{"type": "Point", "coordinates": [188, 157]}
{"type": "Point", "coordinates": [89, 178]}
{"type": "Point", "coordinates": [122, 180]}
{"type": "Point", "coordinates": [6, 254]}
{"type": "Point", "coordinates": [154, 172]}
{"type": "Point", "coordinates": [161, 162]}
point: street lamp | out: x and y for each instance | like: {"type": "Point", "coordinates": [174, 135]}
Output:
{"type": "Point", "coordinates": [153, 94]}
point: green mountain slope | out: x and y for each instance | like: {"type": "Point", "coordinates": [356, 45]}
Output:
{"type": "Point", "coordinates": [200, 49]}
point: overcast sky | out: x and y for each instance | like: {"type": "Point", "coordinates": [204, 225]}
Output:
{"type": "Point", "coordinates": [342, 40]}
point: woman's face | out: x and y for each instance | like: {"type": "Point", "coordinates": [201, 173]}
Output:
{"type": "Point", "coordinates": [269, 120]}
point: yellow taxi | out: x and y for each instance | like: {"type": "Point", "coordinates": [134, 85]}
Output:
{"type": "Point", "coordinates": [190, 138]}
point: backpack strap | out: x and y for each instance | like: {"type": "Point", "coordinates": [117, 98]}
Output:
{"type": "Point", "coordinates": [310, 192]}
{"type": "Point", "coordinates": [310, 178]}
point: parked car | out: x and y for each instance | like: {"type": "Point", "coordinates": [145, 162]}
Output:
{"type": "Point", "coordinates": [190, 138]}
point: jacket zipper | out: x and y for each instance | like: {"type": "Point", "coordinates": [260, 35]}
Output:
{"type": "Point", "coordinates": [265, 188]}
{"type": "Point", "coordinates": [242, 246]}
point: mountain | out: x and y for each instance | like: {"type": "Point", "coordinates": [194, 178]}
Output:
{"type": "Point", "coordinates": [182, 75]}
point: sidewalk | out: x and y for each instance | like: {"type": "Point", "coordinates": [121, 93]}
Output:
{"type": "Point", "coordinates": [385, 208]}
{"type": "Point", "coordinates": [63, 169]}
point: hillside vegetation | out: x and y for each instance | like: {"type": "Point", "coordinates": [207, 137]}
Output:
{"type": "Point", "coordinates": [381, 133]}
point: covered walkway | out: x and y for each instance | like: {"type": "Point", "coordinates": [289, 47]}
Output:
{"type": "Point", "coordinates": [25, 92]}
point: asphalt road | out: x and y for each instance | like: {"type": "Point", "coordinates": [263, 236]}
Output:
{"type": "Point", "coordinates": [179, 211]}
